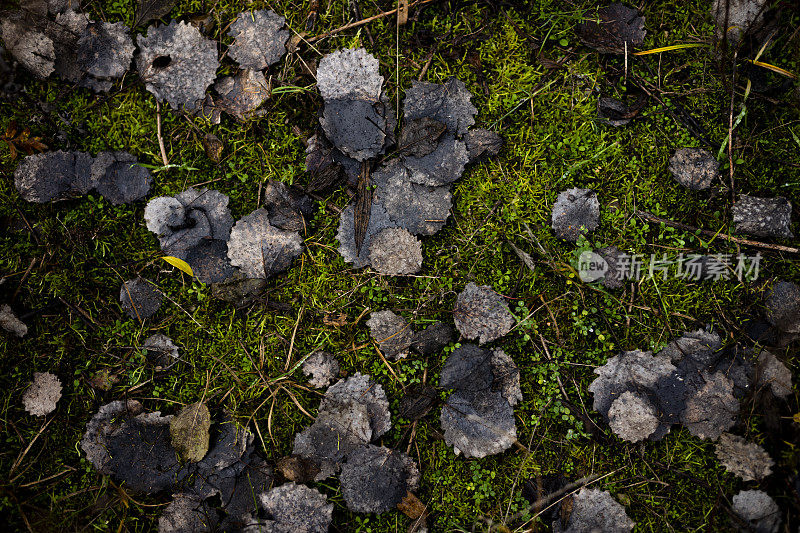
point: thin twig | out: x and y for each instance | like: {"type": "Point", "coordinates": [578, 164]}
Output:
{"type": "Point", "coordinates": [160, 138]}
{"type": "Point", "coordinates": [364, 21]}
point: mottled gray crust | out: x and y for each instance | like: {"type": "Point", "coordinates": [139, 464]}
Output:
{"type": "Point", "coordinates": [745, 459]}
{"type": "Point", "coordinates": [447, 102]}
{"type": "Point", "coordinates": [214, 205]}
{"type": "Point", "coordinates": [701, 344]}
{"type": "Point", "coordinates": [53, 176]}
{"type": "Point", "coordinates": [378, 221]}
{"type": "Point", "coordinates": [774, 374]}
{"type": "Point", "coordinates": [783, 306]}
{"type": "Point", "coordinates": [338, 429]}
{"type": "Point", "coordinates": [288, 206]}
{"type": "Point", "coordinates": [612, 279]}
{"type": "Point", "coordinates": [737, 17]}
{"type": "Point", "coordinates": [482, 143]}
{"type": "Point", "coordinates": [694, 168]}
{"type": "Point", "coordinates": [395, 252]}
{"type": "Point", "coordinates": [618, 26]}
{"type": "Point", "coordinates": [420, 209]}
{"type": "Point", "coordinates": [758, 510]}
{"type": "Point", "coordinates": [442, 166]}
{"type": "Point", "coordinates": [375, 479]}
{"type": "Point", "coordinates": [139, 298]}
{"type": "Point", "coordinates": [10, 322]}
{"type": "Point", "coordinates": [239, 490]}
{"type": "Point", "coordinates": [322, 367]}
{"type": "Point", "coordinates": [104, 54]}
{"type": "Point", "coordinates": [392, 333]}
{"type": "Point", "coordinates": [632, 417]}
{"type": "Point", "coordinates": [187, 513]}
{"type": "Point", "coordinates": [362, 389]}
{"type": "Point", "coordinates": [419, 137]}
{"type": "Point", "coordinates": [160, 350]}
{"type": "Point", "coordinates": [259, 249]}
{"type": "Point", "coordinates": [177, 64]}
{"type": "Point", "coordinates": [101, 426]}
{"type": "Point", "coordinates": [433, 339]}
{"type": "Point", "coordinates": [575, 213]}
{"type": "Point", "coordinates": [298, 508]}
{"type": "Point", "coordinates": [480, 313]}
{"type": "Point", "coordinates": [355, 127]}
{"type": "Point", "coordinates": [241, 95]}
{"type": "Point", "coordinates": [65, 32]}
{"type": "Point", "coordinates": [594, 511]}
{"type": "Point", "coordinates": [712, 410]}
{"type": "Point", "coordinates": [209, 261]}
{"type": "Point", "coordinates": [478, 424]}
{"type": "Point", "coordinates": [239, 290]}
{"type": "Point", "coordinates": [349, 74]}
{"type": "Point", "coordinates": [467, 368]}
{"type": "Point", "coordinates": [119, 178]}
{"type": "Point", "coordinates": [613, 112]}
{"type": "Point", "coordinates": [506, 376]}
{"type": "Point", "coordinates": [259, 39]}
{"type": "Point", "coordinates": [31, 47]}
{"type": "Point", "coordinates": [763, 217]}
{"type": "Point", "coordinates": [41, 397]}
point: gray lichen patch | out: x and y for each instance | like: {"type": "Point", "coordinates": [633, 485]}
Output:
{"type": "Point", "coordinates": [259, 39]}
{"type": "Point", "coordinates": [594, 510]}
{"type": "Point", "coordinates": [11, 323]}
{"type": "Point", "coordinates": [442, 166]}
{"type": "Point", "coordinates": [177, 64]}
{"type": "Point", "coordinates": [478, 424]}
{"type": "Point", "coordinates": [759, 512]}
{"type": "Point", "coordinates": [242, 94]}
{"type": "Point", "coordinates": [632, 417]}
{"type": "Point", "coordinates": [104, 53]}
{"type": "Point", "coordinates": [745, 459]}
{"type": "Point", "coordinates": [139, 298]}
{"type": "Point", "coordinates": [763, 217]}
{"type": "Point", "coordinates": [447, 102]}
{"type": "Point", "coordinates": [259, 249]}
{"type": "Point", "coordinates": [772, 373]}
{"type": "Point", "coordinates": [161, 351]}
{"type": "Point", "coordinates": [480, 313]}
{"type": "Point", "coordinates": [297, 508]}
{"type": "Point", "coordinates": [375, 479]}
{"type": "Point", "coordinates": [712, 409]}
{"type": "Point", "coordinates": [395, 252]}
{"type": "Point", "coordinates": [118, 177]}
{"type": "Point", "coordinates": [349, 74]}
{"type": "Point", "coordinates": [53, 176]}
{"type": "Point", "coordinates": [783, 306]}
{"type": "Point", "coordinates": [392, 333]}
{"type": "Point", "coordinates": [420, 209]}
{"type": "Point", "coordinates": [40, 398]}
{"type": "Point", "coordinates": [694, 168]}
{"type": "Point", "coordinates": [575, 213]}
{"type": "Point", "coordinates": [378, 221]}
{"type": "Point", "coordinates": [322, 367]}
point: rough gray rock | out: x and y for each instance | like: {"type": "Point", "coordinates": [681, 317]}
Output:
{"type": "Point", "coordinates": [773, 373]}
{"type": "Point", "coordinates": [139, 298]}
{"type": "Point", "coordinates": [10, 322]}
{"type": "Point", "coordinates": [447, 102]}
{"type": "Point", "coordinates": [41, 396]}
{"type": "Point", "coordinates": [745, 459]}
{"type": "Point", "coordinates": [420, 209]}
{"type": "Point", "coordinates": [758, 510]}
{"type": "Point", "coordinates": [712, 410]}
{"type": "Point", "coordinates": [104, 54]}
{"type": "Point", "coordinates": [161, 351]}
{"type": "Point", "coordinates": [259, 39]}
{"type": "Point", "coordinates": [763, 217]}
{"type": "Point", "coordinates": [694, 168]}
{"type": "Point", "coordinates": [298, 508]}
{"type": "Point", "coordinates": [783, 306]}
{"type": "Point", "coordinates": [395, 252]}
{"type": "Point", "coordinates": [632, 417]}
{"type": "Point", "coordinates": [118, 177]}
{"type": "Point", "coordinates": [478, 424]}
{"type": "Point", "coordinates": [177, 64]}
{"type": "Point", "coordinates": [322, 367]}
{"type": "Point", "coordinates": [575, 213]}
{"type": "Point", "coordinates": [480, 313]}
{"type": "Point", "coordinates": [53, 175]}
{"type": "Point", "coordinates": [375, 479]}
{"type": "Point", "coordinates": [392, 333]}
{"type": "Point", "coordinates": [241, 95]}
{"type": "Point", "coordinates": [378, 221]}
{"type": "Point", "coordinates": [349, 74]}
{"type": "Point", "coordinates": [259, 249]}
{"type": "Point", "coordinates": [482, 143]}
{"type": "Point", "coordinates": [594, 511]}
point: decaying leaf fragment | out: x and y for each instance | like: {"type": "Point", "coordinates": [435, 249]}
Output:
{"type": "Point", "coordinates": [478, 424]}
{"type": "Point", "coordinates": [575, 213]}
{"type": "Point", "coordinates": [29, 44]}
{"type": "Point", "coordinates": [480, 313]}
{"type": "Point", "coordinates": [712, 409]}
{"type": "Point", "coordinates": [160, 351]}
{"type": "Point", "coordinates": [322, 367]}
{"type": "Point", "coordinates": [10, 322]}
{"type": "Point", "coordinates": [774, 374]}
{"type": "Point", "coordinates": [694, 168]}
{"type": "Point", "coordinates": [139, 298]}
{"type": "Point", "coordinates": [295, 507]}
{"type": "Point", "coordinates": [594, 510]}
{"type": "Point", "coordinates": [118, 177]}
{"type": "Point", "coordinates": [448, 103]}
{"type": "Point", "coordinates": [104, 54]}
{"type": "Point", "coordinates": [375, 479]}
{"type": "Point", "coordinates": [758, 510]}
{"type": "Point", "coordinates": [395, 252]}
{"type": "Point", "coordinates": [617, 27]}
{"type": "Point", "coordinates": [392, 333]}
{"type": "Point", "coordinates": [187, 513]}
{"type": "Point", "coordinates": [783, 306]}
{"type": "Point", "coordinates": [177, 64]}
{"type": "Point", "coordinates": [734, 18]}
{"type": "Point", "coordinates": [41, 397]}
{"type": "Point", "coordinates": [260, 249]}
{"type": "Point", "coordinates": [259, 39]}
{"type": "Point", "coordinates": [189, 432]}
{"type": "Point", "coordinates": [241, 95]}
{"type": "Point", "coordinates": [632, 417]}
{"type": "Point", "coordinates": [763, 217]}
{"type": "Point", "coordinates": [745, 459]}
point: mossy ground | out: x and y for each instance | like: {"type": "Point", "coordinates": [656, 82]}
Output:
{"type": "Point", "coordinates": [62, 264]}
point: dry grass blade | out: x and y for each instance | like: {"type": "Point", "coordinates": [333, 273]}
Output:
{"type": "Point", "coordinates": [363, 207]}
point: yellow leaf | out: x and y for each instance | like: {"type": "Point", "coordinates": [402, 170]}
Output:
{"type": "Point", "coordinates": [796, 418]}
{"type": "Point", "coordinates": [180, 264]}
